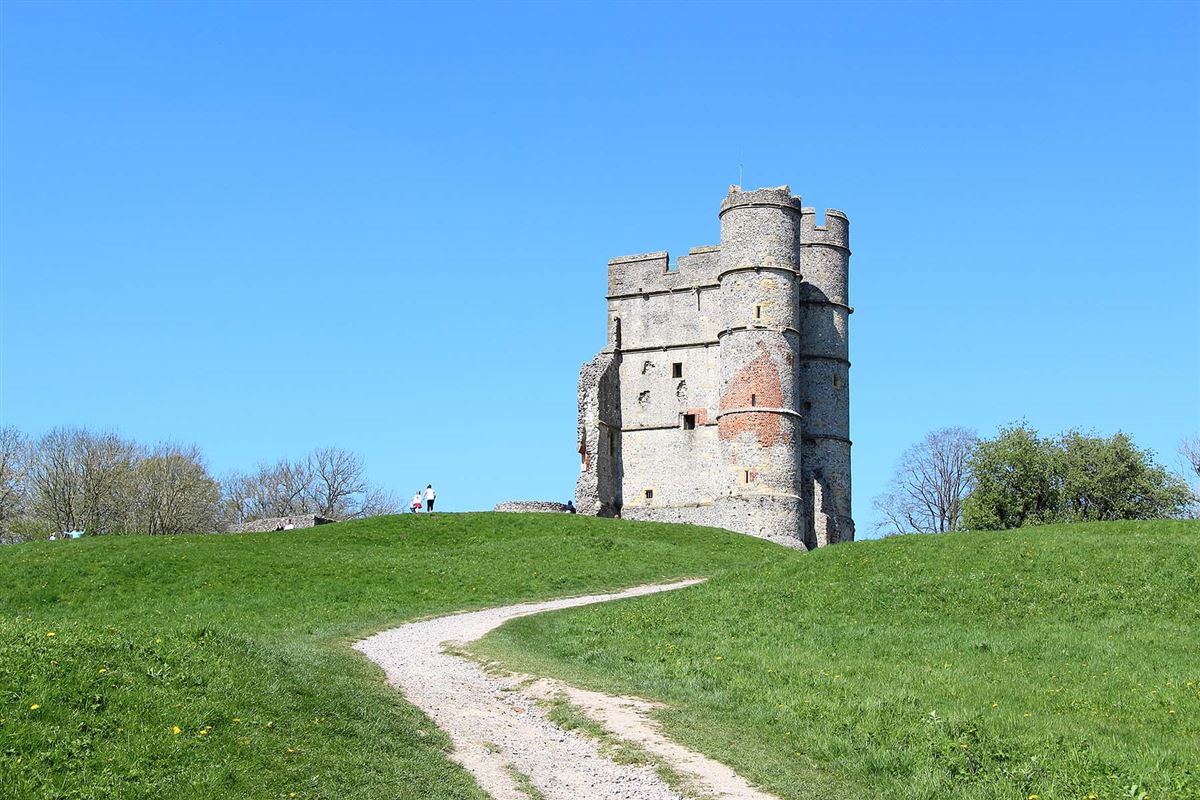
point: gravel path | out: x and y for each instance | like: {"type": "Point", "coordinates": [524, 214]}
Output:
{"type": "Point", "coordinates": [501, 732]}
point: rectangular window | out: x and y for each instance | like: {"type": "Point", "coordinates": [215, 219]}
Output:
{"type": "Point", "coordinates": [677, 369]}
{"type": "Point", "coordinates": [745, 476]}
{"type": "Point", "coordinates": [689, 422]}
{"type": "Point", "coordinates": [758, 312]}
{"type": "Point", "coordinates": [808, 406]}
{"type": "Point", "coordinates": [649, 494]}
{"type": "Point", "coordinates": [611, 443]}
{"type": "Point", "coordinates": [753, 399]}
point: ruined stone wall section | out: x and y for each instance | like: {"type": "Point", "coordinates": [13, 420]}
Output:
{"type": "Point", "coordinates": [294, 522]}
{"type": "Point", "coordinates": [598, 437]}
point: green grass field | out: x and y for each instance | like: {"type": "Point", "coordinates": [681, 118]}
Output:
{"type": "Point", "coordinates": [1055, 662]}
{"type": "Point", "coordinates": [1059, 662]}
{"type": "Point", "coordinates": [218, 666]}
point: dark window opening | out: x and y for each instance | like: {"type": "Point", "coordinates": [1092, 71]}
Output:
{"type": "Point", "coordinates": [612, 443]}
{"type": "Point", "coordinates": [689, 422]}
{"type": "Point", "coordinates": [649, 494]}
{"type": "Point", "coordinates": [808, 406]}
{"type": "Point", "coordinates": [745, 476]}
{"type": "Point", "coordinates": [677, 369]}
{"type": "Point", "coordinates": [753, 399]}
{"type": "Point", "coordinates": [758, 312]}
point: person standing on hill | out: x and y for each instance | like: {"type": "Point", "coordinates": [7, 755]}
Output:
{"type": "Point", "coordinates": [430, 496]}
{"type": "Point", "coordinates": [415, 506]}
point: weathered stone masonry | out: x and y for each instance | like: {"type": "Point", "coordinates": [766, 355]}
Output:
{"type": "Point", "coordinates": [723, 394]}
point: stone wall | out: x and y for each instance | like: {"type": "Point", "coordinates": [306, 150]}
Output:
{"type": "Point", "coordinates": [542, 506]}
{"type": "Point", "coordinates": [280, 523]}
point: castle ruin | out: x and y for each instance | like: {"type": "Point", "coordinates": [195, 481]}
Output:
{"type": "Point", "coordinates": [722, 397]}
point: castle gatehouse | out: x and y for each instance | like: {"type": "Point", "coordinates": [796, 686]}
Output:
{"type": "Point", "coordinates": [722, 396]}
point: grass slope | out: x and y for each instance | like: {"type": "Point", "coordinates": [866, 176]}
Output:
{"type": "Point", "coordinates": [217, 666]}
{"type": "Point", "coordinates": [1056, 662]}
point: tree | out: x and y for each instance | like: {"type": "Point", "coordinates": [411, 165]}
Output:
{"type": "Point", "coordinates": [1110, 479]}
{"type": "Point", "coordinates": [14, 488]}
{"type": "Point", "coordinates": [927, 488]}
{"type": "Point", "coordinates": [336, 481]}
{"type": "Point", "coordinates": [1023, 479]}
{"type": "Point", "coordinates": [1189, 448]}
{"type": "Point", "coordinates": [173, 493]}
{"type": "Point", "coordinates": [80, 480]}
{"type": "Point", "coordinates": [328, 481]}
{"type": "Point", "coordinates": [1016, 481]}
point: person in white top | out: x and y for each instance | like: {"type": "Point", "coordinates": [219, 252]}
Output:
{"type": "Point", "coordinates": [430, 496]}
{"type": "Point", "coordinates": [415, 505]}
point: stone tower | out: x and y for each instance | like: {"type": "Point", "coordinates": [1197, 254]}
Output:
{"type": "Point", "coordinates": [722, 395]}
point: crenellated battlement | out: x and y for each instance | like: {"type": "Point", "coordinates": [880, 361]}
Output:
{"type": "Point", "coordinates": [774, 197]}
{"type": "Point", "coordinates": [835, 231]}
{"type": "Point", "coordinates": [651, 272]}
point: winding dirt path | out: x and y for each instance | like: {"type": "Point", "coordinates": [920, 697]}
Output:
{"type": "Point", "coordinates": [502, 734]}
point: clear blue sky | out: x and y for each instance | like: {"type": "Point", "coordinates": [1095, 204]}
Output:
{"type": "Point", "coordinates": [263, 227]}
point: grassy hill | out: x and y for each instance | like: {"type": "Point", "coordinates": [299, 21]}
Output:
{"type": "Point", "coordinates": [1055, 662]}
{"type": "Point", "coordinates": [217, 666]}
{"type": "Point", "coordinates": [1060, 661]}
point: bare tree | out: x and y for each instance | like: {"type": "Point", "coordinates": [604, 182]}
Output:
{"type": "Point", "coordinates": [80, 480]}
{"type": "Point", "coordinates": [378, 501]}
{"type": "Point", "coordinates": [14, 488]}
{"type": "Point", "coordinates": [932, 478]}
{"type": "Point", "coordinates": [329, 481]}
{"type": "Point", "coordinates": [336, 482]}
{"type": "Point", "coordinates": [1189, 448]}
{"type": "Point", "coordinates": [173, 493]}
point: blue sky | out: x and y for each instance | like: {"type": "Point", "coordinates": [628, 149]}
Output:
{"type": "Point", "coordinates": [264, 227]}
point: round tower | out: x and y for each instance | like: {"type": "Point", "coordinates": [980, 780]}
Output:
{"type": "Point", "coordinates": [758, 424]}
{"type": "Point", "coordinates": [824, 316]}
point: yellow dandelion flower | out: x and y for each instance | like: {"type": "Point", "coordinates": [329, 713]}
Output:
{"type": "Point", "coordinates": [719, 658]}
{"type": "Point", "coordinates": [176, 730]}
{"type": "Point", "coordinates": [995, 705]}
{"type": "Point", "coordinates": [203, 732]}
{"type": "Point", "coordinates": [103, 670]}
{"type": "Point", "coordinates": [34, 707]}
{"type": "Point", "coordinates": [1028, 714]}
{"type": "Point", "coordinates": [51, 633]}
